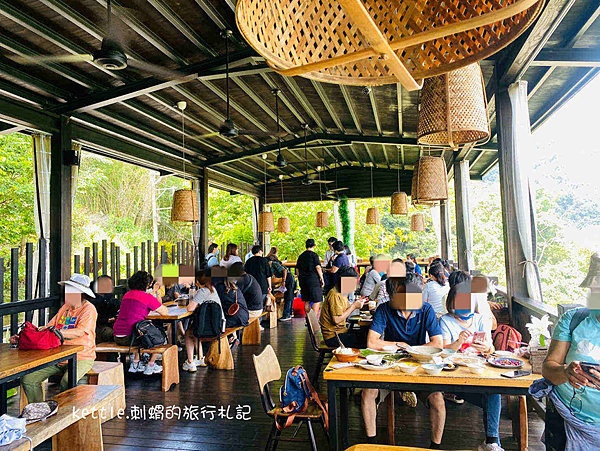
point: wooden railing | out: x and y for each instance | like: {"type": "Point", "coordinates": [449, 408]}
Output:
{"type": "Point", "coordinates": [524, 308]}
{"type": "Point", "coordinates": [101, 257]}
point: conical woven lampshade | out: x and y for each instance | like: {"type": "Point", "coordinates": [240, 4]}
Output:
{"type": "Point", "coordinates": [265, 222]}
{"type": "Point", "coordinates": [431, 182]}
{"type": "Point", "coordinates": [322, 219]}
{"type": "Point", "coordinates": [417, 223]}
{"type": "Point", "coordinates": [283, 225]}
{"type": "Point", "coordinates": [373, 216]}
{"type": "Point", "coordinates": [453, 109]}
{"type": "Point", "coordinates": [185, 206]}
{"type": "Point", "coordinates": [414, 198]}
{"type": "Point", "coordinates": [399, 204]}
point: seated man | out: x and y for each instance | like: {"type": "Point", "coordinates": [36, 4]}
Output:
{"type": "Point", "coordinates": [405, 320]}
{"type": "Point", "coordinates": [336, 309]}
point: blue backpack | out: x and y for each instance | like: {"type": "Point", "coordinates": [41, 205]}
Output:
{"type": "Point", "coordinates": [295, 394]}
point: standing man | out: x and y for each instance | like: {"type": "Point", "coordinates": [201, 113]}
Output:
{"type": "Point", "coordinates": [310, 277]}
{"type": "Point", "coordinates": [211, 257]}
{"type": "Point", "coordinates": [259, 267]}
{"type": "Point", "coordinates": [329, 253]}
{"type": "Point", "coordinates": [339, 260]}
{"type": "Point", "coordinates": [405, 321]}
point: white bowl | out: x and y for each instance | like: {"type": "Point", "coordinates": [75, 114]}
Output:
{"type": "Point", "coordinates": [432, 369]}
{"type": "Point", "coordinates": [375, 359]}
{"type": "Point", "coordinates": [407, 368]}
{"type": "Point", "coordinates": [448, 352]}
{"type": "Point", "coordinates": [423, 353]}
{"type": "Point", "coordinates": [475, 368]}
{"type": "Point", "coordinates": [391, 349]}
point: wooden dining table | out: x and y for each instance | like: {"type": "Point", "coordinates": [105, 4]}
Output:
{"type": "Point", "coordinates": [457, 381]}
{"type": "Point", "coordinates": [174, 315]}
{"type": "Point", "coordinates": [16, 363]}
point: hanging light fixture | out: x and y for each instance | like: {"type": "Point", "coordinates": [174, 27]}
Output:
{"type": "Point", "coordinates": [283, 223]}
{"type": "Point", "coordinates": [265, 218]}
{"type": "Point", "coordinates": [417, 223]}
{"type": "Point", "coordinates": [430, 181]}
{"type": "Point", "coordinates": [185, 202]}
{"type": "Point", "coordinates": [452, 109]}
{"type": "Point", "coordinates": [322, 216]}
{"type": "Point", "coordinates": [373, 212]}
{"type": "Point", "coordinates": [399, 201]}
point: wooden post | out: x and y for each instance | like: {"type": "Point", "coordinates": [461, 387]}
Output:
{"type": "Point", "coordinates": [516, 284]}
{"type": "Point", "coordinates": [118, 264]}
{"type": "Point", "coordinates": [77, 264]}
{"type": "Point", "coordinates": [128, 264]}
{"type": "Point", "coordinates": [149, 249]}
{"type": "Point", "coordinates": [201, 187]}
{"type": "Point", "coordinates": [135, 258]}
{"type": "Point", "coordinates": [86, 261]}
{"type": "Point", "coordinates": [143, 257]}
{"type": "Point", "coordinates": [29, 271]}
{"type": "Point", "coordinates": [113, 262]}
{"type": "Point", "coordinates": [173, 255]}
{"type": "Point", "coordinates": [14, 288]}
{"type": "Point", "coordinates": [60, 208]}
{"type": "Point", "coordinates": [464, 228]}
{"type": "Point", "coordinates": [104, 257]}
{"type": "Point", "coordinates": [95, 260]}
{"type": "Point", "coordinates": [446, 243]}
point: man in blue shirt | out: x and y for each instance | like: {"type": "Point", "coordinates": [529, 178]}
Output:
{"type": "Point", "coordinates": [339, 260]}
{"type": "Point", "coordinates": [211, 257]}
{"type": "Point", "coordinates": [405, 321]}
{"type": "Point", "coordinates": [413, 259]}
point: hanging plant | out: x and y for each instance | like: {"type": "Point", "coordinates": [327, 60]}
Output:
{"type": "Point", "coordinates": [344, 219]}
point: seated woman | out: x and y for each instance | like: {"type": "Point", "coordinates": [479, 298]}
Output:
{"type": "Point", "coordinates": [205, 293]}
{"type": "Point", "coordinates": [250, 289]}
{"type": "Point", "coordinates": [140, 300]}
{"type": "Point", "coordinates": [107, 305]}
{"type": "Point", "coordinates": [230, 294]}
{"type": "Point", "coordinates": [436, 288]}
{"type": "Point", "coordinates": [289, 282]}
{"type": "Point", "coordinates": [336, 309]}
{"type": "Point", "coordinates": [572, 407]}
{"type": "Point", "coordinates": [459, 327]}
{"type": "Point", "coordinates": [479, 286]}
{"type": "Point", "coordinates": [231, 256]}
{"type": "Point", "coordinates": [76, 320]}
{"type": "Point", "coordinates": [373, 278]}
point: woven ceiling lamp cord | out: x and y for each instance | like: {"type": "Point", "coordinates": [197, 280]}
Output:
{"type": "Point", "coordinates": [283, 223]}
{"type": "Point", "coordinates": [372, 212]}
{"type": "Point", "coordinates": [185, 204]}
{"type": "Point", "coordinates": [226, 34]}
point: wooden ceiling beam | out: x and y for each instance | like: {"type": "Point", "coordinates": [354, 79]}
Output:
{"type": "Point", "coordinates": [374, 108]}
{"type": "Point", "coordinates": [303, 101]}
{"type": "Point", "coordinates": [385, 155]}
{"type": "Point", "coordinates": [373, 162]}
{"type": "Point", "coordinates": [356, 156]}
{"type": "Point", "coordinates": [568, 57]}
{"type": "Point", "coordinates": [328, 105]}
{"type": "Point", "coordinates": [350, 106]}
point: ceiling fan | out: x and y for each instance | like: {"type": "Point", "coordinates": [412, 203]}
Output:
{"type": "Point", "coordinates": [227, 129]}
{"type": "Point", "coordinates": [110, 56]}
{"type": "Point", "coordinates": [333, 193]}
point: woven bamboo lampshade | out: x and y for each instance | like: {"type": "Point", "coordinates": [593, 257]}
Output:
{"type": "Point", "coordinates": [399, 203]}
{"type": "Point", "coordinates": [265, 222]}
{"type": "Point", "coordinates": [185, 206]}
{"type": "Point", "coordinates": [371, 42]}
{"type": "Point", "coordinates": [453, 109]}
{"type": "Point", "coordinates": [430, 180]}
{"type": "Point", "coordinates": [373, 216]}
{"type": "Point", "coordinates": [413, 190]}
{"type": "Point", "coordinates": [417, 223]}
{"type": "Point", "coordinates": [322, 219]}
{"type": "Point", "coordinates": [284, 225]}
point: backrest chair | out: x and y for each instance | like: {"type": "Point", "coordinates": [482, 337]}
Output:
{"type": "Point", "coordinates": [312, 323]}
{"type": "Point", "coordinates": [267, 370]}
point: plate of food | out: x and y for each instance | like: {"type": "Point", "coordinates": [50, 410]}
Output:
{"type": "Point", "coordinates": [463, 360]}
{"type": "Point", "coordinates": [449, 366]}
{"type": "Point", "coordinates": [505, 362]}
{"type": "Point", "coordinates": [384, 365]}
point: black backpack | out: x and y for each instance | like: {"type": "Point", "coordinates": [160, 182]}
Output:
{"type": "Point", "coordinates": [208, 320]}
{"type": "Point", "coordinates": [150, 335]}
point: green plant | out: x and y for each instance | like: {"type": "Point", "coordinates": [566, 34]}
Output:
{"type": "Point", "coordinates": [344, 219]}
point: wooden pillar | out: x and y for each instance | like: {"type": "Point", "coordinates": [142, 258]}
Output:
{"type": "Point", "coordinates": [60, 208]}
{"type": "Point", "coordinates": [464, 228]}
{"type": "Point", "coordinates": [445, 235]}
{"type": "Point", "coordinates": [259, 205]}
{"type": "Point", "coordinates": [201, 229]}
{"type": "Point", "coordinates": [516, 284]}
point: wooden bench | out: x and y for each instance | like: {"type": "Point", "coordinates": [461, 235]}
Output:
{"type": "Point", "coordinates": [102, 373]}
{"type": "Point", "coordinates": [252, 331]}
{"type": "Point", "coordinates": [170, 360]}
{"type": "Point", "coordinates": [221, 359]}
{"type": "Point", "coordinates": [69, 431]}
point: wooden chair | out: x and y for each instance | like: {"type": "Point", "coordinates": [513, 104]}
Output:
{"type": "Point", "coordinates": [268, 370]}
{"type": "Point", "coordinates": [314, 332]}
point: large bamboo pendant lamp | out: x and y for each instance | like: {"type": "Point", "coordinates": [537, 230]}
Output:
{"type": "Point", "coordinates": [371, 42]}
{"type": "Point", "coordinates": [373, 212]}
{"type": "Point", "coordinates": [283, 223]}
{"type": "Point", "coordinates": [265, 218]}
{"type": "Point", "coordinates": [185, 203]}
{"type": "Point", "coordinates": [417, 223]}
{"type": "Point", "coordinates": [430, 182]}
{"type": "Point", "coordinates": [452, 109]}
{"type": "Point", "coordinates": [399, 201]}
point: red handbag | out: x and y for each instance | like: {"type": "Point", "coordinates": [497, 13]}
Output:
{"type": "Point", "coordinates": [31, 338]}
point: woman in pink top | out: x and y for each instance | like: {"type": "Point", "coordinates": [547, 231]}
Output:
{"type": "Point", "coordinates": [135, 306]}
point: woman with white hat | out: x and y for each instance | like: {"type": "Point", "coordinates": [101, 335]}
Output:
{"type": "Point", "coordinates": [76, 321]}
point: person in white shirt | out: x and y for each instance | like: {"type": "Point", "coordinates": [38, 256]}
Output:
{"type": "Point", "coordinates": [231, 256]}
{"type": "Point", "coordinates": [329, 253]}
{"type": "Point", "coordinates": [436, 289]}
